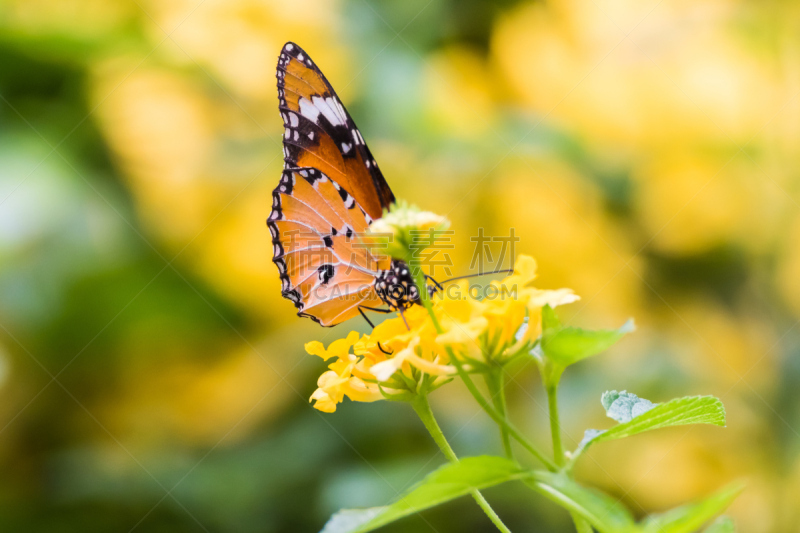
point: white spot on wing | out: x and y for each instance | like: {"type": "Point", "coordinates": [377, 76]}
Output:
{"type": "Point", "coordinates": [346, 147]}
{"type": "Point", "coordinates": [294, 119]}
{"type": "Point", "coordinates": [309, 110]}
{"type": "Point", "coordinates": [289, 47]}
{"type": "Point", "coordinates": [340, 109]}
{"type": "Point", "coordinates": [324, 106]}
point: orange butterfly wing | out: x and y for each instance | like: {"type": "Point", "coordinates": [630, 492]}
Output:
{"type": "Point", "coordinates": [325, 268]}
{"type": "Point", "coordinates": [330, 192]}
{"type": "Point", "coordinates": [319, 132]}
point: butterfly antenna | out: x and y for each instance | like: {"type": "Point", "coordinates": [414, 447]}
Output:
{"type": "Point", "coordinates": [436, 286]}
{"type": "Point", "coordinates": [503, 271]}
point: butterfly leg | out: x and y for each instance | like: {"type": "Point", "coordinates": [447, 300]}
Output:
{"type": "Point", "coordinates": [360, 310]}
{"type": "Point", "coordinates": [384, 351]}
{"type": "Point", "coordinates": [378, 310]}
{"type": "Point", "coordinates": [404, 318]}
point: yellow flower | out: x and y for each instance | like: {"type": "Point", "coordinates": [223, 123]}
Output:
{"type": "Point", "coordinates": [485, 329]}
{"type": "Point", "coordinates": [411, 348]}
{"type": "Point", "coordinates": [346, 376]}
{"type": "Point", "coordinates": [337, 348]}
{"type": "Point", "coordinates": [536, 299]}
{"type": "Point", "coordinates": [420, 357]}
{"type": "Point", "coordinates": [405, 354]}
{"type": "Point", "coordinates": [463, 321]}
{"type": "Point", "coordinates": [524, 272]}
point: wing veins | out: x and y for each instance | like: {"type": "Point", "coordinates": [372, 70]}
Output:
{"type": "Point", "coordinates": [342, 261]}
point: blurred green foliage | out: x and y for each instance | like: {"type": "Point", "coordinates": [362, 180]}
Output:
{"type": "Point", "coordinates": [151, 376]}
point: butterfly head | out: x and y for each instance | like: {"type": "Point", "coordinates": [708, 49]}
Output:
{"type": "Point", "coordinates": [396, 287]}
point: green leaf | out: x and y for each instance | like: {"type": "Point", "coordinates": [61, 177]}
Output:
{"type": "Point", "coordinates": [603, 512]}
{"type": "Point", "coordinates": [623, 406]}
{"type": "Point", "coordinates": [451, 481]}
{"type": "Point", "coordinates": [351, 519]}
{"type": "Point", "coordinates": [723, 524]}
{"type": "Point", "coordinates": [568, 345]}
{"type": "Point", "coordinates": [549, 319]}
{"type": "Point", "coordinates": [689, 518]}
{"type": "Point", "coordinates": [641, 415]}
{"type": "Point", "coordinates": [443, 484]}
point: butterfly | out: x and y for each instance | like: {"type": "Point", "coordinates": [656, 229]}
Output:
{"type": "Point", "coordinates": [330, 191]}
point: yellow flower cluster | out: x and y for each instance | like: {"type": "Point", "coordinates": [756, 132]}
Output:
{"type": "Point", "coordinates": [391, 361]}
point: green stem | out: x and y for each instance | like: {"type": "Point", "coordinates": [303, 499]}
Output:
{"type": "Point", "coordinates": [497, 417]}
{"type": "Point", "coordinates": [581, 525]}
{"type": "Point", "coordinates": [419, 279]}
{"type": "Point", "coordinates": [555, 427]}
{"type": "Point", "coordinates": [422, 286]}
{"type": "Point", "coordinates": [495, 380]}
{"type": "Point", "coordinates": [423, 410]}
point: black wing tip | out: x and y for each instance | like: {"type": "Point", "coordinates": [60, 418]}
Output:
{"type": "Point", "coordinates": [289, 50]}
{"type": "Point", "coordinates": [389, 201]}
{"type": "Point", "coordinates": [293, 49]}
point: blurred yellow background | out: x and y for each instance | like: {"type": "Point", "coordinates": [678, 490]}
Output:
{"type": "Point", "coordinates": [153, 379]}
